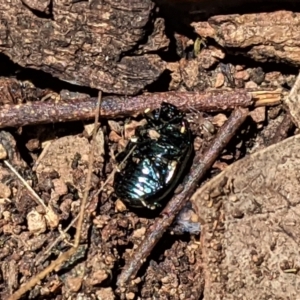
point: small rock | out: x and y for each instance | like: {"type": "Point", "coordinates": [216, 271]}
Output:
{"type": "Point", "coordinates": [105, 293]}
{"type": "Point", "coordinates": [52, 218]}
{"type": "Point", "coordinates": [208, 126]}
{"type": "Point", "coordinates": [239, 67]}
{"type": "Point", "coordinates": [243, 75]}
{"type": "Point", "coordinates": [138, 233]}
{"type": "Point", "coordinates": [3, 153]}
{"type": "Point", "coordinates": [99, 139]}
{"type": "Point", "coordinates": [33, 144]}
{"type": "Point", "coordinates": [120, 206]}
{"type": "Point", "coordinates": [130, 128]}
{"type": "Point", "coordinates": [114, 137]}
{"type": "Point", "coordinates": [258, 114]}
{"type": "Point", "coordinates": [194, 217]}
{"type": "Point", "coordinates": [5, 191]}
{"type": "Point", "coordinates": [227, 157]}
{"type": "Point", "coordinates": [130, 296]}
{"type": "Point", "coordinates": [290, 80]}
{"type": "Point", "coordinates": [35, 243]}
{"type": "Point", "coordinates": [74, 283]}
{"type": "Point", "coordinates": [251, 85]}
{"type": "Point", "coordinates": [65, 207]}
{"type": "Point", "coordinates": [258, 75]}
{"type": "Point", "coordinates": [186, 221]}
{"type": "Point", "coordinates": [176, 79]}
{"type": "Point", "coordinates": [209, 56]}
{"type": "Point", "coordinates": [97, 277]}
{"type": "Point", "coordinates": [36, 222]}
{"type": "Point", "coordinates": [191, 74]}
{"type": "Point", "coordinates": [220, 165]}
{"type": "Point", "coordinates": [198, 143]}
{"type": "Point", "coordinates": [273, 112]}
{"type": "Point", "coordinates": [7, 228]}
{"type": "Point", "coordinates": [217, 52]}
{"type": "Point", "coordinates": [89, 128]}
{"type": "Point", "coordinates": [122, 144]}
{"type": "Point", "coordinates": [219, 120]}
{"type": "Point", "coordinates": [193, 246]}
{"type": "Point", "coordinates": [165, 279]}
{"type": "Point", "coordinates": [220, 79]}
{"type": "Point", "coordinates": [115, 126]}
{"type": "Point", "coordinates": [239, 83]}
{"type": "Point", "coordinates": [60, 187]}
{"type": "Point", "coordinates": [137, 280]}
{"type": "Point", "coordinates": [6, 215]}
{"type": "Point", "coordinates": [153, 134]}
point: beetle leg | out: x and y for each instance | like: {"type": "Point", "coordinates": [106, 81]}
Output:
{"type": "Point", "coordinates": [149, 116]}
{"type": "Point", "coordinates": [172, 166]}
{"type": "Point", "coordinates": [156, 204]}
{"type": "Point", "coordinates": [182, 129]}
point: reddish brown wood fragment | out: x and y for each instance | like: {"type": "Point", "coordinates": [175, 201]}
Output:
{"type": "Point", "coordinates": [116, 106]}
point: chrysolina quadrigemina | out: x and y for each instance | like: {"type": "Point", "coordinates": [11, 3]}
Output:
{"type": "Point", "coordinates": [163, 148]}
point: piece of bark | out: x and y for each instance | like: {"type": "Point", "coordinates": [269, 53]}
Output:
{"type": "Point", "coordinates": [263, 37]}
{"type": "Point", "coordinates": [88, 43]}
{"type": "Point", "coordinates": [250, 226]}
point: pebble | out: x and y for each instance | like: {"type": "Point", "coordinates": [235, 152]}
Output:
{"type": "Point", "coordinates": [5, 191]}
{"type": "Point", "coordinates": [3, 153]}
{"type": "Point", "coordinates": [36, 222]}
{"type": "Point", "coordinates": [220, 79]}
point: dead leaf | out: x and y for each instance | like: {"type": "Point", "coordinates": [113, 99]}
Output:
{"type": "Point", "coordinates": [251, 226]}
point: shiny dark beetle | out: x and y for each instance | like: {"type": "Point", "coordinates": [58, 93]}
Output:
{"type": "Point", "coordinates": [162, 150]}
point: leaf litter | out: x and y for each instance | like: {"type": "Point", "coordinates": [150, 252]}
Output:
{"type": "Point", "coordinates": [251, 227]}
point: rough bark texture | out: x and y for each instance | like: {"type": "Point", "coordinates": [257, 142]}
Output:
{"type": "Point", "coordinates": [90, 43]}
{"type": "Point", "coordinates": [264, 36]}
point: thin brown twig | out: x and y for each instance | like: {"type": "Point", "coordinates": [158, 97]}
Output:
{"type": "Point", "coordinates": [202, 163]}
{"type": "Point", "coordinates": [66, 255]}
{"type": "Point", "coordinates": [33, 113]}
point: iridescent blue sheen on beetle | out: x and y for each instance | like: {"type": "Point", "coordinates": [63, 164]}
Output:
{"type": "Point", "coordinates": [153, 170]}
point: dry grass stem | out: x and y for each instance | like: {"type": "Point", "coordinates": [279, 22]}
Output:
{"type": "Point", "coordinates": [29, 188]}
{"type": "Point", "coordinates": [66, 255]}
